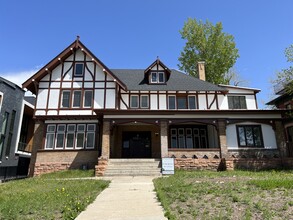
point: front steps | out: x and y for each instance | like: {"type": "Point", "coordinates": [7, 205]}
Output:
{"type": "Point", "coordinates": [133, 167]}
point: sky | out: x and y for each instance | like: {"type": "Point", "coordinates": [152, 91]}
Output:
{"type": "Point", "coordinates": [132, 33]}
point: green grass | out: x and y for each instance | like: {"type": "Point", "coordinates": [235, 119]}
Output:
{"type": "Point", "coordinates": [46, 198]}
{"type": "Point", "coordinates": [70, 174]}
{"type": "Point", "coordinates": [226, 195]}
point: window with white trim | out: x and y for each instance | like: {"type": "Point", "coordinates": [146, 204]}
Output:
{"type": "Point", "coordinates": [71, 136]}
{"type": "Point", "coordinates": [144, 101]}
{"type": "Point", "coordinates": [76, 100]}
{"type": "Point", "coordinates": [77, 97]}
{"type": "Point", "coordinates": [237, 102]}
{"type": "Point", "coordinates": [249, 136]}
{"type": "Point", "coordinates": [50, 136]}
{"type": "Point", "coordinates": [65, 99]}
{"type": "Point", "coordinates": [157, 77]}
{"type": "Point", "coordinates": [134, 101]}
{"type": "Point", "coordinates": [182, 101]}
{"type": "Point", "coordinates": [78, 69]}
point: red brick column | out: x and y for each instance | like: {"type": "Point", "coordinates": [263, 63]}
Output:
{"type": "Point", "coordinates": [223, 138]}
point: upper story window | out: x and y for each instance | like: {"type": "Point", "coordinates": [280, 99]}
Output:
{"type": "Point", "coordinates": [237, 102]}
{"type": "Point", "coordinates": [79, 69]}
{"type": "Point", "coordinates": [157, 77]}
{"type": "Point", "coordinates": [77, 97]}
{"type": "Point", "coordinates": [137, 101]}
{"type": "Point", "coordinates": [249, 136]}
{"type": "Point", "coordinates": [182, 102]}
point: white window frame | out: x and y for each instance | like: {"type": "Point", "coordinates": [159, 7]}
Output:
{"type": "Point", "coordinates": [130, 104]}
{"type": "Point", "coordinates": [80, 99]}
{"type": "Point", "coordinates": [85, 91]}
{"type": "Point", "coordinates": [82, 73]}
{"type": "Point", "coordinates": [89, 131]}
{"type": "Point", "coordinates": [68, 99]}
{"type": "Point", "coordinates": [157, 74]}
{"type": "Point", "coordinates": [80, 132]}
{"type": "Point", "coordinates": [147, 101]}
{"type": "Point", "coordinates": [50, 133]}
{"type": "Point", "coordinates": [70, 132]}
{"type": "Point", "coordinates": [60, 132]}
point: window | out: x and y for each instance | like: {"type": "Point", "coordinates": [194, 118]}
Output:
{"type": "Point", "coordinates": [134, 101]}
{"type": "Point", "coordinates": [65, 99]}
{"type": "Point", "coordinates": [189, 137]}
{"type": "Point", "coordinates": [70, 136]}
{"type": "Point", "coordinates": [88, 98]}
{"type": "Point", "coordinates": [237, 102]}
{"type": "Point", "coordinates": [60, 136]}
{"type": "Point", "coordinates": [249, 136]}
{"type": "Point", "coordinates": [144, 101]}
{"type": "Point", "coordinates": [3, 132]}
{"type": "Point", "coordinates": [76, 103]}
{"type": "Point", "coordinates": [171, 102]}
{"type": "Point", "coordinates": [50, 136]}
{"type": "Point", "coordinates": [157, 77]}
{"type": "Point", "coordinates": [191, 102]}
{"type": "Point", "coordinates": [79, 68]}
{"type": "Point", "coordinates": [77, 99]}
{"type": "Point", "coordinates": [10, 134]}
{"type": "Point", "coordinates": [181, 102]}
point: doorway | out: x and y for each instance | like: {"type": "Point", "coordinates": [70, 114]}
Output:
{"type": "Point", "coordinates": [136, 144]}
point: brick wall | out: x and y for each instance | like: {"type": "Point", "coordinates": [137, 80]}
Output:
{"type": "Point", "coordinates": [52, 161]}
{"type": "Point", "coordinates": [179, 153]}
{"type": "Point", "coordinates": [198, 164]}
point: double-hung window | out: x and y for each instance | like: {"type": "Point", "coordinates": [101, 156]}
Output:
{"type": "Point", "coordinates": [80, 136]}
{"type": "Point", "coordinates": [60, 136]}
{"type": "Point", "coordinates": [65, 99]}
{"type": "Point", "coordinates": [144, 101]}
{"type": "Point", "coordinates": [134, 101]}
{"type": "Point", "coordinates": [90, 136]}
{"type": "Point", "coordinates": [249, 136]}
{"type": "Point", "coordinates": [50, 136]}
{"type": "Point", "coordinates": [70, 136]}
{"type": "Point", "coordinates": [76, 103]}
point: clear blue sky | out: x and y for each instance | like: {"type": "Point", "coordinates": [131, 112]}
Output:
{"type": "Point", "coordinates": [132, 33]}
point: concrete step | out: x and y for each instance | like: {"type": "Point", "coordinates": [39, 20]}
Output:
{"type": "Point", "coordinates": [133, 167]}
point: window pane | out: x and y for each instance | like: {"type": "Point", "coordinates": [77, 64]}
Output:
{"type": "Point", "coordinates": [134, 101]}
{"type": "Point", "coordinates": [236, 102]}
{"type": "Point", "coordinates": [91, 127]}
{"type": "Point", "coordinates": [242, 101]}
{"type": "Point", "coordinates": [161, 77]}
{"type": "Point", "coordinates": [154, 77]}
{"type": "Point", "coordinates": [249, 136]}
{"type": "Point", "coordinates": [51, 128]}
{"type": "Point", "coordinates": [78, 69]}
{"type": "Point", "coordinates": [50, 141]}
{"type": "Point", "coordinates": [181, 102]}
{"type": "Point", "coordinates": [79, 140]}
{"type": "Point", "coordinates": [144, 101]}
{"type": "Point", "coordinates": [230, 102]}
{"type": "Point", "coordinates": [203, 138]}
{"type": "Point", "coordinates": [241, 136]}
{"type": "Point", "coordinates": [171, 102]}
{"type": "Point", "coordinates": [77, 99]}
{"type": "Point", "coordinates": [60, 140]}
{"type": "Point", "coordinates": [191, 102]}
{"type": "Point", "coordinates": [173, 142]}
{"type": "Point", "coordinates": [80, 127]}
{"type": "Point", "coordinates": [61, 128]}
{"type": "Point", "coordinates": [90, 140]}
{"type": "Point", "coordinates": [70, 140]}
{"type": "Point", "coordinates": [88, 96]}
{"type": "Point", "coordinates": [65, 99]}
{"type": "Point", "coordinates": [189, 142]}
{"type": "Point", "coordinates": [181, 138]}
{"type": "Point", "coordinates": [257, 136]}
{"type": "Point", "coordinates": [4, 123]}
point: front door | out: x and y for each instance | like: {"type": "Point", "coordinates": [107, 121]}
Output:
{"type": "Point", "coordinates": [136, 144]}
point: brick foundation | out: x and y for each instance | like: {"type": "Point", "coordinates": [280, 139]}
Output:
{"type": "Point", "coordinates": [52, 161]}
{"type": "Point", "coordinates": [101, 167]}
{"type": "Point", "coordinates": [198, 164]}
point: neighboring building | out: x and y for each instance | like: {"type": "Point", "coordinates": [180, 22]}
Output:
{"type": "Point", "coordinates": [87, 114]}
{"type": "Point", "coordinates": [284, 101]}
{"type": "Point", "coordinates": [16, 127]}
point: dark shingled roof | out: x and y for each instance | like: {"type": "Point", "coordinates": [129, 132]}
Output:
{"type": "Point", "coordinates": [30, 99]}
{"type": "Point", "coordinates": [178, 81]}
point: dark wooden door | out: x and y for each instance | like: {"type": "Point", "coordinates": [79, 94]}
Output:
{"type": "Point", "coordinates": [136, 144]}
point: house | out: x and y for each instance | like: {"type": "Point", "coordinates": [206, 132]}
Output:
{"type": "Point", "coordinates": [16, 130]}
{"type": "Point", "coordinates": [87, 115]}
{"type": "Point", "coordinates": [284, 101]}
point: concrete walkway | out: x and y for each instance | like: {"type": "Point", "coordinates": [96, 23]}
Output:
{"type": "Point", "coordinates": [127, 198]}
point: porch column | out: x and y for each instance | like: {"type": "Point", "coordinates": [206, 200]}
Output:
{"type": "Point", "coordinates": [223, 138]}
{"type": "Point", "coordinates": [164, 138]}
{"type": "Point", "coordinates": [106, 140]}
{"type": "Point", "coordinates": [281, 139]}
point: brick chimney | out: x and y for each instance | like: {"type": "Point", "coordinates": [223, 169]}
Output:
{"type": "Point", "coordinates": [201, 70]}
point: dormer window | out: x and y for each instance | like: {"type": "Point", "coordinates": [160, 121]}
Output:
{"type": "Point", "coordinates": [157, 77]}
{"type": "Point", "coordinates": [78, 70]}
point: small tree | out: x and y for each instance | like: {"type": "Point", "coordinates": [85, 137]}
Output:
{"type": "Point", "coordinates": [206, 42]}
{"type": "Point", "coordinates": [285, 76]}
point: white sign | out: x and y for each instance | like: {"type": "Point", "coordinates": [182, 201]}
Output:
{"type": "Point", "coordinates": [167, 166]}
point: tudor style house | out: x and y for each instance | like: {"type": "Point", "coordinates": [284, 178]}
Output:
{"type": "Point", "coordinates": [89, 115]}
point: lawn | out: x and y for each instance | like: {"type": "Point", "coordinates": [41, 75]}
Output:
{"type": "Point", "coordinates": [227, 195]}
{"type": "Point", "coordinates": [51, 196]}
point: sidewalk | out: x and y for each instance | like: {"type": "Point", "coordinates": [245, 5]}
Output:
{"type": "Point", "coordinates": [127, 198]}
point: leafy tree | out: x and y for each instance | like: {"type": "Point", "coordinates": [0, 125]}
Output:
{"type": "Point", "coordinates": [285, 76]}
{"type": "Point", "coordinates": [206, 42]}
